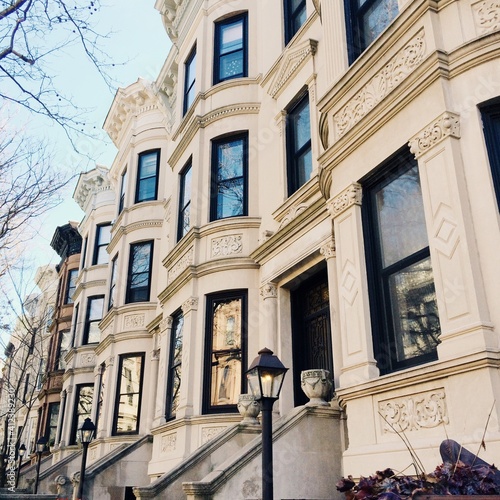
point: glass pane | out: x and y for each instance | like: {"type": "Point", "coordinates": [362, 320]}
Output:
{"type": "Point", "coordinates": [147, 189]}
{"type": "Point", "coordinates": [304, 167]}
{"type": "Point", "coordinates": [176, 364]}
{"type": "Point", "coordinates": [302, 125]}
{"type": "Point", "coordinates": [186, 186]}
{"type": "Point", "coordinates": [226, 379]}
{"type": "Point", "coordinates": [141, 258]}
{"type": "Point", "coordinates": [102, 255]}
{"type": "Point", "coordinates": [414, 310]}
{"type": "Point", "coordinates": [96, 308]}
{"type": "Point", "coordinates": [84, 407]}
{"type": "Point", "coordinates": [128, 408]}
{"type": "Point", "coordinates": [148, 165]}
{"type": "Point", "coordinates": [185, 220]}
{"type": "Point", "coordinates": [131, 375]}
{"type": "Point", "coordinates": [401, 217]}
{"type": "Point", "coordinates": [377, 18]}
{"type": "Point", "coordinates": [190, 97]}
{"type": "Point", "coordinates": [230, 160]}
{"type": "Point", "coordinates": [231, 37]}
{"type": "Point", "coordinates": [94, 334]}
{"type": "Point", "coordinates": [191, 72]}
{"type": "Point", "coordinates": [231, 65]}
{"type": "Point", "coordinates": [104, 234]}
{"type": "Point", "coordinates": [230, 199]}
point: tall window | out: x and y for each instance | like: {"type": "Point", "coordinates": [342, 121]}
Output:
{"type": "Point", "coordinates": [147, 176]}
{"type": "Point", "coordinates": [70, 286]}
{"type": "Point", "coordinates": [112, 283]}
{"type": "Point", "coordinates": [139, 272]}
{"type": "Point", "coordinates": [229, 177]}
{"type": "Point", "coordinates": [491, 124]}
{"type": "Point", "coordinates": [184, 201]}
{"type": "Point", "coordinates": [102, 239]}
{"type": "Point", "coordinates": [402, 296]}
{"type": "Point", "coordinates": [225, 350]}
{"type": "Point", "coordinates": [128, 394]}
{"type": "Point", "coordinates": [230, 58]}
{"type": "Point", "coordinates": [92, 334]}
{"type": "Point", "coordinates": [84, 252]}
{"type": "Point", "coordinates": [366, 19]}
{"type": "Point", "coordinates": [189, 80]}
{"type": "Point", "coordinates": [123, 190]}
{"type": "Point", "coordinates": [51, 427]}
{"type": "Point", "coordinates": [175, 366]}
{"type": "Point", "coordinates": [63, 348]}
{"type": "Point", "coordinates": [295, 17]}
{"type": "Point", "coordinates": [83, 408]}
{"type": "Point", "coordinates": [299, 157]}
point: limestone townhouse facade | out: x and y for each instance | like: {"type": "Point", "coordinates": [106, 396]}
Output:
{"type": "Point", "coordinates": [321, 178]}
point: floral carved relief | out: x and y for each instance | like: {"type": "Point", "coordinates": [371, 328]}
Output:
{"type": "Point", "coordinates": [209, 433]}
{"type": "Point", "coordinates": [384, 82]}
{"type": "Point", "coordinates": [227, 245]}
{"type": "Point", "coordinates": [415, 412]}
{"type": "Point", "coordinates": [486, 16]}
{"type": "Point", "coordinates": [183, 263]}
{"type": "Point", "coordinates": [133, 321]}
{"type": "Point", "coordinates": [346, 199]}
{"type": "Point", "coordinates": [168, 443]}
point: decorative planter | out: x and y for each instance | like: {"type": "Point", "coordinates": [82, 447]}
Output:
{"type": "Point", "coordinates": [317, 386]}
{"type": "Point", "coordinates": [249, 408]}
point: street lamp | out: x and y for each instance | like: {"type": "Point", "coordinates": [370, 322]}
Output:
{"type": "Point", "coordinates": [21, 451]}
{"type": "Point", "coordinates": [86, 433]}
{"type": "Point", "coordinates": [265, 379]}
{"type": "Point", "coordinates": [40, 448]}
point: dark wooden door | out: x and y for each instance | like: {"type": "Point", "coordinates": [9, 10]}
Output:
{"type": "Point", "coordinates": [312, 342]}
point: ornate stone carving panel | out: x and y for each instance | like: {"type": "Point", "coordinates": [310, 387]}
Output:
{"type": "Point", "coordinates": [133, 321]}
{"type": "Point", "coordinates": [183, 263]}
{"type": "Point", "coordinates": [414, 412]}
{"type": "Point", "coordinates": [227, 245]}
{"type": "Point", "coordinates": [209, 433]}
{"type": "Point", "coordinates": [269, 291]}
{"type": "Point", "coordinates": [168, 443]}
{"type": "Point", "coordinates": [328, 250]}
{"type": "Point", "coordinates": [87, 359]}
{"type": "Point", "coordinates": [347, 198]}
{"type": "Point", "coordinates": [486, 16]}
{"type": "Point", "coordinates": [384, 82]}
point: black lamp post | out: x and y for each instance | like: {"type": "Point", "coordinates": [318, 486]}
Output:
{"type": "Point", "coordinates": [40, 448]}
{"type": "Point", "coordinates": [21, 451]}
{"type": "Point", "coordinates": [265, 379]}
{"type": "Point", "coordinates": [86, 432]}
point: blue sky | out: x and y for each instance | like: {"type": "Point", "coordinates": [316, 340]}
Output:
{"type": "Point", "coordinates": [139, 38]}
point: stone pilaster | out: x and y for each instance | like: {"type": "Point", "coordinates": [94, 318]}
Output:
{"type": "Point", "coordinates": [358, 362]}
{"type": "Point", "coordinates": [268, 319]}
{"type": "Point", "coordinates": [463, 312]}
{"type": "Point", "coordinates": [161, 391]}
{"type": "Point", "coordinates": [59, 418]}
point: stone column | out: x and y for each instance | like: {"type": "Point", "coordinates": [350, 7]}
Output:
{"type": "Point", "coordinates": [163, 345]}
{"type": "Point", "coordinates": [268, 324]}
{"type": "Point", "coordinates": [97, 389]}
{"type": "Point", "coordinates": [155, 361]}
{"type": "Point", "coordinates": [358, 362]}
{"type": "Point", "coordinates": [329, 252]}
{"type": "Point", "coordinates": [66, 423]}
{"type": "Point", "coordinates": [62, 407]}
{"type": "Point", "coordinates": [463, 310]}
{"type": "Point", "coordinates": [108, 401]}
{"type": "Point", "coordinates": [191, 368]}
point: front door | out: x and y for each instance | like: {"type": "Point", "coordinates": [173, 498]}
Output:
{"type": "Point", "coordinates": [312, 342]}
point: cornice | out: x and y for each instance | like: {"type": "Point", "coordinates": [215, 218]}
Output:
{"type": "Point", "coordinates": [91, 183]}
{"type": "Point", "coordinates": [114, 338]}
{"type": "Point", "coordinates": [198, 122]}
{"type": "Point", "coordinates": [129, 228]}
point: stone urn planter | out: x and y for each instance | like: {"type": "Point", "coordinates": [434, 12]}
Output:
{"type": "Point", "coordinates": [249, 408]}
{"type": "Point", "coordinates": [317, 386]}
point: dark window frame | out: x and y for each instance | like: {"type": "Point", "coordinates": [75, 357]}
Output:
{"type": "Point", "coordinates": [214, 183]}
{"type": "Point", "coordinates": [378, 276]}
{"type": "Point", "coordinates": [123, 189]}
{"type": "Point", "coordinates": [84, 252]}
{"type": "Point", "coordinates": [290, 18]}
{"type": "Point", "coordinates": [219, 25]}
{"type": "Point", "coordinates": [173, 366]}
{"type": "Point", "coordinates": [70, 289]}
{"type": "Point", "coordinates": [211, 299]}
{"type": "Point", "coordinates": [48, 427]}
{"type": "Point", "coordinates": [88, 321]}
{"type": "Point", "coordinates": [112, 282]}
{"type": "Point", "coordinates": [490, 115]}
{"type": "Point", "coordinates": [129, 298]}
{"type": "Point", "coordinates": [98, 245]}
{"type": "Point", "coordinates": [357, 42]}
{"type": "Point", "coordinates": [188, 87]}
{"type": "Point", "coordinates": [293, 152]}
{"type": "Point", "coordinates": [74, 424]}
{"type": "Point", "coordinates": [142, 356]}
{"type": "Point", "coordinates": [59, 345]}
{"type": "Point", "coordinates": [140, 179]}
{"type": "Point", "coordinates": [184, 204]}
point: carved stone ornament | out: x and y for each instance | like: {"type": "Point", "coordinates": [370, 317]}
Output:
{"type": "Point", "coordinates": [134, 321]}
{"type": "Point", "coordinates": [292, 214]}
{"type": "Point", "coordinates": [87, 359]}
{"type": "Point", "coordinates": [227, 245]}
{"type": "Point", "coordinates": [209, 433]}
{"type": "Point", "coordinates": [317, 386]}
{"type": "Point", "coordinates": [183, 263]}
{"type": "Point", "coordinates": [446, 125]}
{"type": "Point", "coordinates": [415, 412]}
{"type": "Point", "coordinates": [328, 250]}
{"type": "Point", "coordinates": [249, 408]}
{"type": "Point", "coordinates": [168, 443]}
{"type": "Point", "coordinates": [269, 291]}
{"type": "Point", "coordinates": [190, 304]}
{"type": "Point", "coordinates": [384, 82]}
{"type": "Point", "coordinates": [346, 199]}
{"type": "Point", "coordinates": [324, 130]}
{"type": "Point", "coordinates": [486, 16]}
{"type": "Point", "coordinates": [166, 323]}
